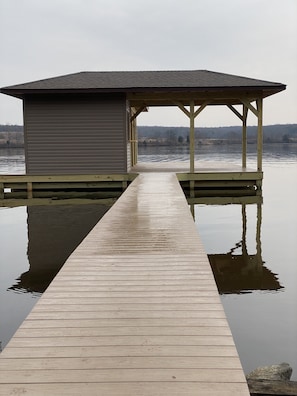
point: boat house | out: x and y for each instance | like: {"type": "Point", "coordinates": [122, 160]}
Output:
{"type": "Point", "coordinates": [85, 123]}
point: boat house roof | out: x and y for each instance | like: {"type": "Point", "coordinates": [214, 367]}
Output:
{"type": "Point", "coordinates": [155, 87]}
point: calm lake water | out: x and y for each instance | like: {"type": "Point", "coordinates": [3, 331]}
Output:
{"type": "Point", "coordinates": [252, 249]}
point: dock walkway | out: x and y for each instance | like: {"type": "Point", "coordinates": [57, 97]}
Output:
{"type": "Point", "coordinates": [134, 310]}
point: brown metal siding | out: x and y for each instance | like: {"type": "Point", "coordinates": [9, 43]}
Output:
{"type": "Point", "coordinates": [128, 157]}
{"type": "Point", "coordinates": [78, 136]}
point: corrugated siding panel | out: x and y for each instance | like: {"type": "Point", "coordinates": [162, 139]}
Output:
{"type": "Point", "coordinates": [76, 136]}
{"type": "Point", "coordinates": [128, 157]}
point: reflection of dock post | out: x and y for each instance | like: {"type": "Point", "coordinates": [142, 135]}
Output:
{"type": "Point", "coordinates": [244, 228]}
{"type": "Point", "coordinates": [258, 233]}
{"type": "Point", "coordinates": [237, 273]}
{"type": "Point", "coordinates": [192, 208]}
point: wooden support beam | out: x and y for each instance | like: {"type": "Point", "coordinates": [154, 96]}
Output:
{"type": "Point", "coordinates": [218, 200]}
{"type": "Point", "coordinates": [244, 136]}
{"type": "Point", "coordinates": [202, 107]}
{"type": "Point", "coordinates": [258, 111]}
{"type": "Point", "coordinates": [243, 118]}
{"type": "Point", "coordinates": [138, 111]}
{"type": "Point", "coordinates": [192, 114]}
{"type": "Point", "coordinates": [13, 202]}
{"type": "Point", "coordinates": [192, 137]}
{"type": "Point", "coordinates": [192, 188]}
{"type": "Point", "coordinates": [236, 112]}
{"type": "Point", "coordinates": [248, 104]}
{"type": "Point", "coordinates": [29, 190]}
{"type": "Point", "coordinates": [260, 133]}
{"type": "Point", "coordinates": [188, 113]}
{"type": "Point", "coordinates": [170, 98]}
{"type": "Point", "coordinates": [133, 142]}
{"type": "Point", "coordinates": [183, 109]}
{"type": "Point", "coordinates": [1, 190]}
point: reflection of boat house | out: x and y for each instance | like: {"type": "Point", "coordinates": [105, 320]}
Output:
{"type": "Point", "coordinates": [85, 123]}
{"type": "Point", "coordinates": [54, 232]}
{"type": "Point", "coordinates": [242, 273]}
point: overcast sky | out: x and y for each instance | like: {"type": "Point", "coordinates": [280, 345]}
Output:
{"type": "Point", "coordinates": [254, 38]}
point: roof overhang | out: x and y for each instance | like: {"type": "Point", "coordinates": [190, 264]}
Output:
{"type": "Point", "coordinates": [153, 88]}
{"type": "Point", "coordinates": [199, 97]}
{"type": "Point", "coordinates": [159, 97]}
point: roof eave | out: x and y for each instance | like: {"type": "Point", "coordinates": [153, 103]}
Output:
{"type": "Point", "coordinates": [22, 93]}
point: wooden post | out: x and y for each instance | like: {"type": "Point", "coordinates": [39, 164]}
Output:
{"type": "Point", "coordinates": [131, 139]}
{"type": "Point", "coordinates": [192, 114]}
{"type": "Point", "coordinates": [259, 114]}
{"type": "Point", "coordinates": [192, 137]}
{"type": "Point", "coordinates": [133, 135]}
{"type": "Point", "coordinates": [243, 118]}
{"type": "Point", "coordinates": [133, 142]}
{"type": "Point", "coordinates": [29, 190]}
{"type": "Point", "coordinates": [244, 136]}
{"type": "Point", "coordinates": [1, 190]}
{"type": "Point", "coordinates": [260, 134]}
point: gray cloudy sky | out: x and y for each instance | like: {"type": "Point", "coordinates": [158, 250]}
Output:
{"type": "Point", "coordinates": [253, 38]}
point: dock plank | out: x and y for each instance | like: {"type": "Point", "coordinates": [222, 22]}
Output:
{"type": "Point", "coordinates": [134, 310]}
{"type": "Point", "coordinates": [121, 375]}
{"type": "Point", "coordinates": [126, 389]}
{"type": "Point", "coordinates": [132, 362]}
{"type": "Point", "coordinates": [19, 342]}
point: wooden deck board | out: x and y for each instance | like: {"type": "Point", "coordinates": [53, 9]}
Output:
{"type": "Point", "coordinates": [208, 362]}
{"type": "Point", "coordinates": [134, 311]}
{"type": "Point", "coordinates": [184, 167]}
{"type": "Point", "coordinates": [143, 388]}
{"type": "Point", "coordinates": [199, 351]}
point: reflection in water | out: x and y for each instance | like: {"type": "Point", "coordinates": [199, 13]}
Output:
{"type": "Point", "coordinates": [241, 273]}
{"type": "Point", "coordinates": [264, 325]}
{"type": "Point", "coordinates": [53, 234]}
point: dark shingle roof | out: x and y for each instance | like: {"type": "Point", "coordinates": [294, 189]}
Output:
{"type": "Point", "coordinates": [127, 81]}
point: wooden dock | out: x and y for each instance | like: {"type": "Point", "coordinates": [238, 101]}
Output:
{"type": "Point", "coordinates": [134, 310]}
{"type": "Point", "coordinates": [214, 180]}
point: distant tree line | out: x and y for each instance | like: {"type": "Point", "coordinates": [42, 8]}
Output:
{"type": "Point", "coordinates": [150, 135]}
{"type": "Point", "coordinates": [12, 135]}
{"type": "Point", "coordinates": [11, 128]}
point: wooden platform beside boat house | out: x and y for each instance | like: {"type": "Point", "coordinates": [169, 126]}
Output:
{"type": "Point", "coordinates": [134, 310]}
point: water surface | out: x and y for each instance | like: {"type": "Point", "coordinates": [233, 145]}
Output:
{"type": "Point", "coordinates": [261, 255]}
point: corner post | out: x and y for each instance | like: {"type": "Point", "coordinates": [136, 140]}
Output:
{"type": "Point", "coordinates": [192, 136]}
{"type": "Point", "coordinates": [260, 134]}
{"type": "Point", "coordinates": [244, 136]}
{"type": "Point", "coordinates": [134, 146]}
